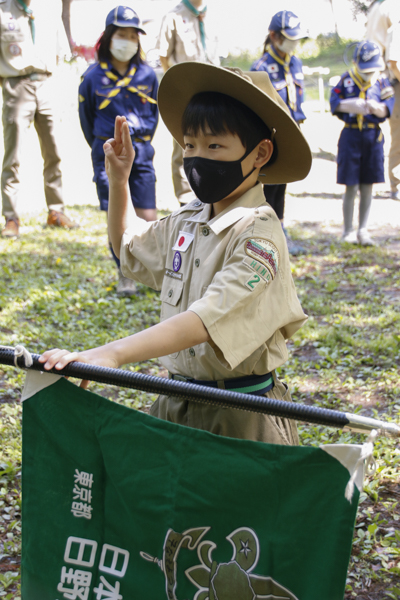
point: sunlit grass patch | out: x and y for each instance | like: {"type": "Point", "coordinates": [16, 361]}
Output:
{"type": "Point", "coordinates": [57, 288]}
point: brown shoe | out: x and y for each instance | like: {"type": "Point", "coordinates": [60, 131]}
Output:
{"type": "Point", "coordinates": [59, 219]}
{"type": "Point", "coordinates": [11, 229]}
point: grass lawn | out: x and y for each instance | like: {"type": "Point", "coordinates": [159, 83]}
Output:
{"type": "Point", "coordinates": [57, 289]}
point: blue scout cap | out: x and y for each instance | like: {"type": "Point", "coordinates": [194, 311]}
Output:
{"type": "Point", "coordinates": [124, 16]}
{"type": "Point", "coordinates": [288, 24]}
{"type": "Point", "coordinates": [367, 57]}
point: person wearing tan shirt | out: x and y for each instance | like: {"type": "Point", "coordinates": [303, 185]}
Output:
{"type": "Point", "coordinates": [221, 262]}
{"type": "Point", "coordinates": [184, 36]}
{"type": "Point", "coordinates": [393, 61]}
{"type": "Point", "coordinates": [383, 19]}
{"type": "Point", "coordinates": [31, 39]}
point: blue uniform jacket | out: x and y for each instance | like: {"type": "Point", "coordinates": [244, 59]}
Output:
{"type": "Point", "coordinates": [380, 90]}
{"type": "Point", "coordinates": [141, 115]}
{"type": "Point", "coordinates": [276, 72]}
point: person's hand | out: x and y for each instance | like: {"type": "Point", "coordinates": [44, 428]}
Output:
{"type": "Point", "coordinates": [376, 108]}
{"type": "Point", "coordinates": [59, 359]}
{"type": "Point", "coordinates": [119, 154]}
{"type": "Point", "coordinates": [361, 106]}
{"type": "Point", "coordinates": [356, 106]}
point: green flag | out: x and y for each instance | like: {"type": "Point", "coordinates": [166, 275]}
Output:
{"type": "Point", "coordinates": [118, 505]}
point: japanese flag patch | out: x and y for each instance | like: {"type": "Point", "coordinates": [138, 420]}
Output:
{"type": "Point", "coordinates": [183, 242]}
{"type": "Point", "coordinates": [273, 68]}
{"type": "Point", "coordinates": [265, 252]}
{"type": "Point", "coordinates": [348, 82]}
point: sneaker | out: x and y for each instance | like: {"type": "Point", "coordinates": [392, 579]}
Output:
{"type": "Point", "coordinates": [350, 237]}
{"type": "Point", "coordinates": [59, 219]}
{"type": "Point", "coordinates": [11, 228]}
{"type": "Point", "coordinates": [364, 238]}
{"type": "Point", "coordinates": [395, 195]}
{"type": "Point", "coordinates": [125, 286]}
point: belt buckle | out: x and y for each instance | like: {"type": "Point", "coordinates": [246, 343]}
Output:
{"type": "Point", "coordinates": [177, 377]}
{"type": "Point", "coordinates": [180, 378]}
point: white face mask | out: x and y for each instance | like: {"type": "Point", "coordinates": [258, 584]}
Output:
{"type": "Point", "coordinates": [123, 50]}
{"type": "Point", "coordinates": [367, 76]}
{"type": "Point", "coordinates": [288, 46]}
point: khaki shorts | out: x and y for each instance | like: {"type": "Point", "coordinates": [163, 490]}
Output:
{"type": "Point", "coordinates": [231, 422]}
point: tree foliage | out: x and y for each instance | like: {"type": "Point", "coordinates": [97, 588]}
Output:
{"type": "Point", "coordinates": [361, 6]}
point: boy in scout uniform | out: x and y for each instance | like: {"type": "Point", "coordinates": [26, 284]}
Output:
{"type": "Point", "coordinates": [221, 262]}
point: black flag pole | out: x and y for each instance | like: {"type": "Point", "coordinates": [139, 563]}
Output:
{"type": "Point", "coordinates": [206, 395]}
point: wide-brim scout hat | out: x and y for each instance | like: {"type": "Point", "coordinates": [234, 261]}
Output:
{"type": "Point", "coordinates": [288, 24]}
{"type": "Point", "coordinates": [255, 90]}
{"type": "Point", "coordinates": [367, 56]}
{"type": "Point", "coordinates": [124, 16]}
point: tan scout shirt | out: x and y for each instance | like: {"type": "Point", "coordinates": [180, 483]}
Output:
{"type": "Point", "coordinates": [381, 17]}
{"type": "Point", "coordinates": [393, 49]}
{"type": "Point", "coordinates": [233, 271]}
{"type": "Point", "coordinates": [179, 39]}
{"type": "Point", "coordinates": [18, 54]}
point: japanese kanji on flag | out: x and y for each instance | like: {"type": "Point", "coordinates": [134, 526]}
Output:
{"type": "Point", "coordinates": [118, 505]}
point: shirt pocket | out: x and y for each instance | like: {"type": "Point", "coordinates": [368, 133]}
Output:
{"type": "Point", "coordinates": [171, 293]}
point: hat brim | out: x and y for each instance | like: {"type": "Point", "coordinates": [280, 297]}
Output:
{"type": "Point", "coordinates": [125, 24]}
{"type": "Point", "coordinates": [293, 34]}
{"type": "Point", "coordinates": [371, 66]}
{"type": "Point", "coordinates": [255, 90]}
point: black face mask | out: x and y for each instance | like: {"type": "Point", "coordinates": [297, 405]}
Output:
{"type": "Point", "coordinates": [214, 180]}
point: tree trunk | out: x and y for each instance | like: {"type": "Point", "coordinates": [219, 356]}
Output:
{"type": "Point", "coordinates": [66, 17]}
{"type": "Point", "coordinates": [335, 21]}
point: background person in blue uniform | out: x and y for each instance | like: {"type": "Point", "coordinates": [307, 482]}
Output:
{"type": "Point", "coordinates": [362, 99]}
{"type": "Point", "coordinates": [121, 83]}
{"type": "Point", "coordinates": [285, 72]}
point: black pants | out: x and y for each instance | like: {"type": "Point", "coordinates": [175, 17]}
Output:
{"type": "Point", "coordinates": [275, 196]}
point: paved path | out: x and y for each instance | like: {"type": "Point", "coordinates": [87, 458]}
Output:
{"type": "Point", "coordinates": [315, 199]}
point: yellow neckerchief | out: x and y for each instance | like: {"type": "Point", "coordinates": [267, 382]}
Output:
{"type": "Point", "coordinates": [122, 83]}
{"type": "Point", "coordinates": [291, 88]}
{"type": "Point", "coordinates": [363, 87]}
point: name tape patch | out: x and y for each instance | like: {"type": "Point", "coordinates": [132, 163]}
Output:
{"type": "Point", "coordinates": [264, 252]}
{"type": "Point", "coordinates": [172, 274]}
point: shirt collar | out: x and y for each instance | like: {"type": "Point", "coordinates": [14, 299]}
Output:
{"type": "Point", "coordinates": [253, 198]}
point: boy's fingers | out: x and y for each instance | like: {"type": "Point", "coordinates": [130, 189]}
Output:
{"type": "Point", "coordinates": [127, 141]}
{"type": "Point", "coordinates": [109, 145]}
{"type": "Point", "coordinates": [57, 358]}
{"type": "Point", "coordinates": [84, 384]}
{"type": "Point", "coordinates": [117, 128]}
{"type": "Point", "coordinates": [47, 354]}
{"type": "Point", "coordinates": [119, 121]}
{"type": "Point", "coordinates": [50, 357]}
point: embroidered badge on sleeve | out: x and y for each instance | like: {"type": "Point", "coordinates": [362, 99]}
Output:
{"type": "Point", "coordinates": [260, 269]}
{"type": "Point", "coordinates": [265, 252]}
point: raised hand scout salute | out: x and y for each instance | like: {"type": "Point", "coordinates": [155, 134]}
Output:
{"type": "Point", "coordinates": [221, 262]}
